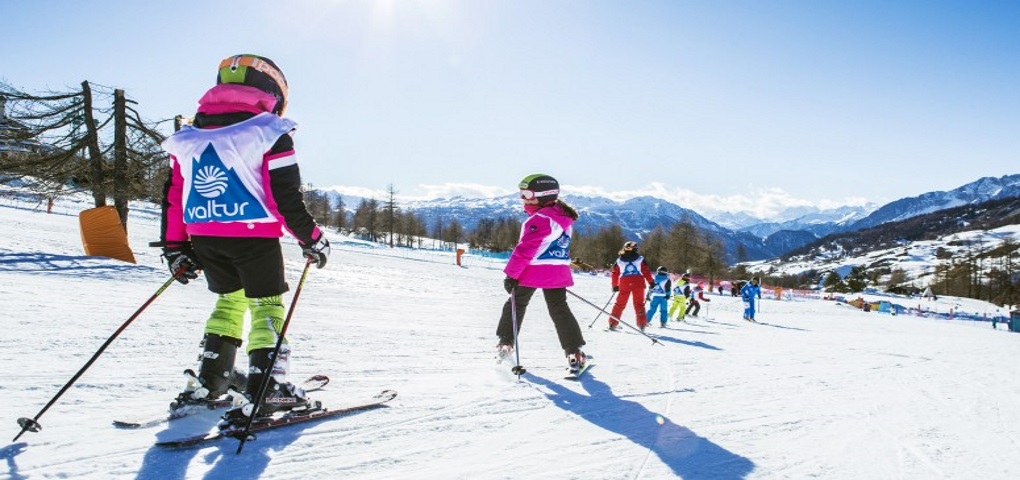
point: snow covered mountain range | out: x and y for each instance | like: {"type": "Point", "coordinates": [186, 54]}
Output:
{"type": "Point", "coordinates": [979, 191]}
{"type": "Point", "coordinates": [760, 239]}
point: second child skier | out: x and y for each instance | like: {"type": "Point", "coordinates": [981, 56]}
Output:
{"type": "Point", "coordinates": [541, 260]}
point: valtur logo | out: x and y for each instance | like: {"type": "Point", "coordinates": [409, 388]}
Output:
{"type": "Point", "coordinates": [210, 182]}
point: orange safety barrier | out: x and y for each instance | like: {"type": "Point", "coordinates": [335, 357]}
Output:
{"type": "Point", "coordinates": [102, 234]}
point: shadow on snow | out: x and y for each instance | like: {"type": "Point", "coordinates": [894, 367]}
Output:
{"type": "Point", "coordinates": [683, 451]}
{"type": "Point", "coordinates": [74, 264]}
{"type": "Point", "coordinates": [8, 453]}
{"type": "Point", "coordinates": [162, 463]}
{"type": "Point", "coordinates": [666, 338]}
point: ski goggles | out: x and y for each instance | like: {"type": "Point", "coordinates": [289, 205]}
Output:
{"type": "Point", "coordinates": [531, 194]}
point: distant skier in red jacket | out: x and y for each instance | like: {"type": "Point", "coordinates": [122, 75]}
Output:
{"type": "Point", "coordinates": [697, 296]}
{"type": "Point", "coordinates": [630, 276]}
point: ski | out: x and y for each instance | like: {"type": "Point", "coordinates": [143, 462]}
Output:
{"type": "Point", "coordinates": [311, 384]}
{"type": "Point", "coordinates": [574, 375]}
{"type": "Point", "coordinates": [185, 411]}
{"type": "Point", "coordinates": [291, 418]}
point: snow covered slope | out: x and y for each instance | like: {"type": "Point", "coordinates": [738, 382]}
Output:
{"type": "Point", "coordinates": [818, 390]}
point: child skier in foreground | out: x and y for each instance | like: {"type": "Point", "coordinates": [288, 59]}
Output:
{"type": "Point", "coordinates": [230, 194]}
{"type": "Point", "coordinates": [541, 259]}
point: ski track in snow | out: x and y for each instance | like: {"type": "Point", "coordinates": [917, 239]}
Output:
{"type": "Point", "coordinates": [814, 391]}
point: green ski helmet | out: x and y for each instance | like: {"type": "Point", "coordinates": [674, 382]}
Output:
{"type": "Point", "coordinates": [543, 187]}
{"type": "Point", "coordinates": [258, 72]}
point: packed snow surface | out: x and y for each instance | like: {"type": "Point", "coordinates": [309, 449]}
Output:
{"type": "Point", "coordinates": [817, 390]}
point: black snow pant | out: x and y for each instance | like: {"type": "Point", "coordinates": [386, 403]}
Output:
{"type": "Point", "coordinates": [567, 329]}
{"type": "Point", "coordinates": [693, 307]}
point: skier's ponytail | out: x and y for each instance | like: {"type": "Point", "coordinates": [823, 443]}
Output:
{"type": "Point", "coordinates": [568, 209]}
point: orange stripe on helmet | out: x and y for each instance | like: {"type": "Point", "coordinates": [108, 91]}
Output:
{"type": "Point", "coordinates": [262, 66]}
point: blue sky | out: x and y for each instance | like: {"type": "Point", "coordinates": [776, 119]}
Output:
{"type": "Point", "coordinates": [733, 105]}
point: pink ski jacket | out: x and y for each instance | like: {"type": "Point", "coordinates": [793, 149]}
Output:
{"type": "Point", "coordinates": [541, 258]}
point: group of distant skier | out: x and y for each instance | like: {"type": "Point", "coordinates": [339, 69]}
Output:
{"type": "Point", "coordinates": [630, 275]}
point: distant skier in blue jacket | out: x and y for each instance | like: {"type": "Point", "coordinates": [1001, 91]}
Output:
{"type": "Point", "coordinates": [749, 293]}
{"type": "Point", "coordinates": [658, 293]}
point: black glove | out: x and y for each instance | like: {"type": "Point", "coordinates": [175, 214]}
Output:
{"type": "Point", "coordinates": [317, 252]}
{"type": "Point", "coordinates": [616, 288]}
{"type": "Point", "coordinates": [651, 285]}
{"type": "Point", "coordinates": [509, 284]}
{"type": "Point", "coordinates": [182, 261]}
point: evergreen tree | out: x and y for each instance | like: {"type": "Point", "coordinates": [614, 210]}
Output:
{"type": "Point", "coordinates": [655, 248]}
{"type": "Point", "coordinates": [438, 230]}
{"type": "Point", "coordinates": [366, 218]}
{"type": "Point", "coordinates": [390, 211]}
{"type": "Point", "coordinates": [857, 281]}
{"type": "Point", "coordinates": [833, 283]}
{"type": "Point", "coordinates": [454, 233]}
{"type": "Point", "coordinates": [340, 214]}
{"type": "Point", "coordinates": [68, 146]}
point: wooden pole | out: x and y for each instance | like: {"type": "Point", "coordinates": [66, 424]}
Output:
{"type": "Point", "coordinates": [97, 179]}
{"type": "Point", "coordinates": [121, 184]}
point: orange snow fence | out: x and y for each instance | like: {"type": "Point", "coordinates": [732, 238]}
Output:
{"type": "Point", "coordinates": [102, 234]}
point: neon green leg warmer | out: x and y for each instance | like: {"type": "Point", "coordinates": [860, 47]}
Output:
{"type": "Point", "coordinates": [227, 318]}
{"type": "Point", "coordinates": [266, 321]}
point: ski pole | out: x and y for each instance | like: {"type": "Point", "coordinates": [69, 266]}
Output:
{"type": "Point", "coordinates": [585, 300]}
{"type": "Point", "coordinates": [32, 424]}
{"type": "Point", "coordinates": [601, 310]}
{"type": "Point", "coordinates": [243, 436]}
{"type": "Point", "coordinates": [518, 369]}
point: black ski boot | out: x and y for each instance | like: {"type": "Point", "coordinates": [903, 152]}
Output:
{"type": "Point", "coordinates": [281, 395]}
{"type": "Point", "coordinates": [216, 372]}
{"type": "Point", "coordinates": [576, 360]}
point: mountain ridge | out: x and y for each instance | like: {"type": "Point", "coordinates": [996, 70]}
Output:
{"type": "Point", "coordinates": [759, 241]}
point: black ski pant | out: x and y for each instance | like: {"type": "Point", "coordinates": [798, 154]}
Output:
{"type": "Point", "coordinates": [693, 307]}
{"type": "Point", "coordinates": [567, 329]}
